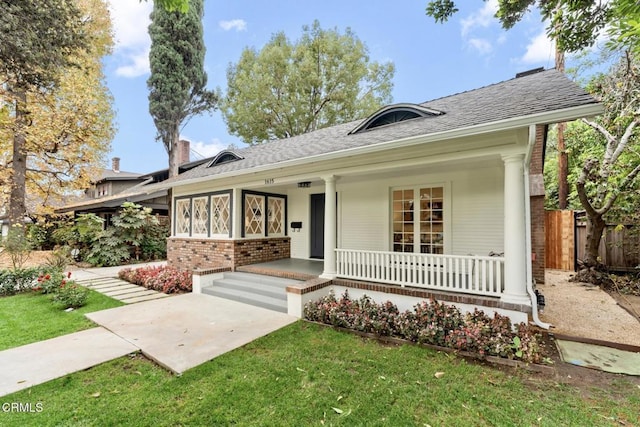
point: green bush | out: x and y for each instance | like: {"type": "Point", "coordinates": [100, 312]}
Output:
{"type": "Point", "coordinates": [17, 280]}
{"type": "Point", "coordinates": [70, 295]}
{"type": "Point", "coordinates": [135, 234]}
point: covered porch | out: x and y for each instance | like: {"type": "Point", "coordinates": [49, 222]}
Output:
{"type": "Point", "coordinates": [414, 225]}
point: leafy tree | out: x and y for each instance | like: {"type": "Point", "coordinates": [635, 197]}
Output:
{"type": "Point", "coordinates": [71, 125]}
{"type": "Point", "coordinates": [574, 24]}
{"type": "Point", "coordinates": [287, 89]}
{"type": "Point", "coordinates": [177, 82]}
{"type": "Point", "coordinates": [611, 166]}
{"type": "Point", "coordinates": [39, 41]}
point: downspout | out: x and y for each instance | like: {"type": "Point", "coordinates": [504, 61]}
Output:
{"type": "Point", "coordinates": [527, 209]}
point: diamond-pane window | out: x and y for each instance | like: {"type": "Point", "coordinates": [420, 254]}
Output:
{"type": "Point", "coordinates": [276, 216]}
{"type": "Point", "coordinates": [183, 216]}
{"type": "Point", "coordinates": [200, 217]}
{"type": "Point", "coordinates": [220, 215]}
{"type": "Point", "coordinates": [254, 215]}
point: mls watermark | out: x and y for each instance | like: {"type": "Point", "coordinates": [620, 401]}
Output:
{"type": "Point", "coordinates": [22, 407]}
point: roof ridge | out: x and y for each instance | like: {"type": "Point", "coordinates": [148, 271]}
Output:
{"type": "Point", "coordinates": [516, 77]}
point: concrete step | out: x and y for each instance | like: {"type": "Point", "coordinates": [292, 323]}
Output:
{"type": "Point", "coordinates": [142, 298]}
{"type": "Point", "coordinates": [255, 289]}
{"type": "Point", "coordinates": [251, 298]}
{"type": "Point", "coordinates": [252, 288]}
{"type": "Point", "coordinates": [260, 279]}
{"type": "Point", "coordinates": [98, 281]}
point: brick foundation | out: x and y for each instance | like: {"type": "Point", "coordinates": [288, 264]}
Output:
{"type": "Point", "coordinates": [191, 254]}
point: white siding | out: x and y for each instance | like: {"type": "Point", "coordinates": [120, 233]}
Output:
{"type": "Point", "coordinates": [478, 212]}
{"type": "Point", "coordinates": [363, 216]}
{"type": "Point", "coordinates": [473, 197]}
{"type": "Point", "coordinates": [299, 200]}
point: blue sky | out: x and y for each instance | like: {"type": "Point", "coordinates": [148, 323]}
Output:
{"type": "Point", "coordinates": [431, 60]}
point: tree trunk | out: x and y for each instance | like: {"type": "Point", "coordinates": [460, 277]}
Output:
{"type": "Point", "coordinates": [595, 228]}
{"type": "Point", "coordinates": [17, 204]}
{"type": "Point", "coordinates": [563, 170]}
{"type": "Point", "coordinates": [174, 151]}
{"type": "Point", "coordinates": [563, 161]}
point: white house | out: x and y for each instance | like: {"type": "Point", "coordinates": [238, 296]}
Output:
{"type": "Point", "coordinates": [418, 200]}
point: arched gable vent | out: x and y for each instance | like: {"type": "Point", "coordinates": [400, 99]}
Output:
{"type": "Point", "coordinates": [224, 156]}
{"type": "Point", "coordinates": [393, 114]}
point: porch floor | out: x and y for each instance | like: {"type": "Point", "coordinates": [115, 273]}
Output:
{"type": "Point", "coordinates": [310, 267]}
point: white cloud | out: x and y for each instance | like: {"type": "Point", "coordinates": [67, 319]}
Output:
{"type": "Point", "coordinates": [482, 18]}
{"type": "Point", "coordinates": [206, 149]}
{"type": "Point", "coordinates": [234, 24]}
{"type": "Point", "coordinates": [539, 49]}
{"type": "Point", "coordinates": [130, 20]}
{"type": "Point", "coordinates": [482, 46]}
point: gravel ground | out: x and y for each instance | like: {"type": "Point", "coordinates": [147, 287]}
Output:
{"type": "Point", "coordinates": [583, 310]}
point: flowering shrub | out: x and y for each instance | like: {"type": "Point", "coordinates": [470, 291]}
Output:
{"type": "Point", "coordinates": [430, 322]}
{"type": "Point", "coordinates": [163, 279]}
{"type": "Point", "coordinates": [70, 295]}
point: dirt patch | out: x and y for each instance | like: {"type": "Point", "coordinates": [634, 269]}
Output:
{"type": "Point", "coordinates": [35, 259]}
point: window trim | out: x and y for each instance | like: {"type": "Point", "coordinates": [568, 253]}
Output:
{"type": "Point", "coordinates": [265, 225]}
{"type": "Point", "coordinates": [446, 215]}
{"type": "Point", "coordinates": [209, 196]}
{"type": "Point", "coordinates": [206, 199]}
{"type": "Point", "coordinates": [229, 197]}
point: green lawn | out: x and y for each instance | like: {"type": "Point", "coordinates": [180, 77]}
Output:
{"type": "Point", "coordinates": [31, 317]}
{"type": "Point", "coordinates": [305, 374]}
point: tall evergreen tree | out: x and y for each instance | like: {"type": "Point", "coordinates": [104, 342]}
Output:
{"type": "Point", "coordinates": [177, 83]}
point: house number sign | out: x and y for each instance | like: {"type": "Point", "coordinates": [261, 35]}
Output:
{"type": "Point", "coordinates": [269, 180]}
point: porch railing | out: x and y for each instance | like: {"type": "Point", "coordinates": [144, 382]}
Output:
{"type": "Point", "coordinates": [480, 275]}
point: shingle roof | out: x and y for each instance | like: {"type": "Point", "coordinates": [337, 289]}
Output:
{"type": "Point", "coordinates": [529, 95]}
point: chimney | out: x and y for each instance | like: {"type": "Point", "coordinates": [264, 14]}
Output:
{"type": "Point", "coordinates": [115, 164]}
{"type": "Point", "coordinates": [184, 155]}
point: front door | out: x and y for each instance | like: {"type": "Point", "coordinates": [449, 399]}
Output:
{"type": "Point", "coordinates": [317, 226]}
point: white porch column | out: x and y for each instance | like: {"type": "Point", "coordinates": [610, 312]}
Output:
{"type": "Point", "coordinates": [236, 219]}
{"type": "Point", "coordinates": [515, 273]}
{"type": "Point", "coordinates": [329, 271]}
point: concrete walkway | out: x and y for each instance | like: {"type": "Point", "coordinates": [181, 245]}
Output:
{"type": "Point", "coordinates": [178, 333]}
{"type": "Point", "coordinates": [32, 364]}
{"type": "Point", "coordinates": [121, 290]}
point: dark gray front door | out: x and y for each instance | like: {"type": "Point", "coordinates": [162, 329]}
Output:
{"type": "Point", "coordinates": [317, 226]}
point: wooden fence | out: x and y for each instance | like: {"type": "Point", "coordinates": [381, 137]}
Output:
{"type": "Point", "coordinates": [559, 251]}
{"type": "Point", "coordinates": [566, 234]}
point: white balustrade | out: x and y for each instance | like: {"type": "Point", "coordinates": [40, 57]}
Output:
{"type": "Point", "coordinates": [470, 274]}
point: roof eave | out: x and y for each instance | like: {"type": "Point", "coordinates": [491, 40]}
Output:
{"type": "Point", "coordinates": [556, 116]}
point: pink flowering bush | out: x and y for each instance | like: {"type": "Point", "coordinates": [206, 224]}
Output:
{"type": "Point", "coordinates": [162, 279]}
{"type": "Point", "coordinates": [430, 322]}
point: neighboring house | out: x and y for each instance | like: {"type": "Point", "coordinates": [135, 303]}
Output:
{"type": "Point", "coordinates": [116, 187]}
{"type": "Point", "coordinates": [442, 199]}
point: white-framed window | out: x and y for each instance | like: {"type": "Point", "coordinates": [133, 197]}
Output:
{"type": "Point", "coordinates": [418, 219]}
{"type": "Point", "coordinates": [254, 215]}
{"type": "Point", "coordinates": [220, 215]}
{"type": "Point", "coordinates": [276, 218]}
{"type": "Point", "coordinates": [200, 218]}
{"type": "Point", "coordinates": [183, 217]}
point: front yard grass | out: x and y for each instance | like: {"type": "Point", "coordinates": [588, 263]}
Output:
{"type": "Point", "coordinates": [30, 317]}
{"type": "Point", "coordinates": [306, 374]}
